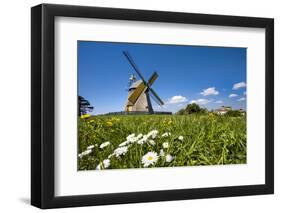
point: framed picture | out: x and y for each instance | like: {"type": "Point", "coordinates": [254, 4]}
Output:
{"type": "Point", "coordinates": [139, 106]}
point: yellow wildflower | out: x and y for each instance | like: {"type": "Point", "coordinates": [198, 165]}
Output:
{"type": "Point", "coordinates": [115, 119]}
{"type": "Point", "coordinates": [211, 116]}
{"type": "Point", "coordinates": [109, 123]}
{"type": "Point", "coordinates": [85, 116]}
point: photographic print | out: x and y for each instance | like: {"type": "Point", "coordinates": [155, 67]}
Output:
{"type": "Point", "coordinates": [159, 105]}
{"type": "Point", "coordinates": [128, 94]}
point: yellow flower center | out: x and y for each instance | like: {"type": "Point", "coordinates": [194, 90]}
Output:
{"type": "Point", "coordinates": [150, 158]}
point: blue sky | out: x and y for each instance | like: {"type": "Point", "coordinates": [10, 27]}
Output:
{"type": "Point", "coordinates": [209, 76]}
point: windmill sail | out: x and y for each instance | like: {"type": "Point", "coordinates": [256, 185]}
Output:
{"type": "Point", "coordinates": [131, 61]}
{"type": "Point", "coordinates": [152, 78]}
{"type": "Point", "coordinates": [154, 95]}
{"type": "Point", "coordinates": [137, 92]}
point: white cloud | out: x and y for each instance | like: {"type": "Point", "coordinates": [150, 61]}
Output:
{"type": "Point", "coordinates": [241, 99]}
{"type": "Point", "coordinates": [176, 99]}
{"type": "Point", "coordinates": [210, 91]}
{"type": "Point", "coordinates": [219, 102]}
{"type": "Point", "coordinates": [232, 95]}
{"type": "Point", "coordinates": [239, 85]}
{"type": "Point", "coordinates": [159, 107]}
{"type": "Point", "coordinates": [201, 101]}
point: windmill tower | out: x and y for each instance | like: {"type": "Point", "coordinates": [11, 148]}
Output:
{"type": "Point", "coordinates": [140, 91]}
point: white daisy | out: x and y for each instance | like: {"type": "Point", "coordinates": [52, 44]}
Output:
{"type": "Point", "coordinates": [124, 143]}
{"type": "Point", "coordinates": [139, 136]}
{"type": "Point", "coordinates": [149, 159]}
{"type": "Point", "coordinates": [91, 146]}
{"type": "Point", "coordinates": [145, 137]}
{"type": "Point", "coordinates": [180, 138]}
{"type": "Point", "coordinates": [152, 142]}
{"type": "Point", "coordinates": [165, 145]}
{"type": "Point", "coordinates": [166, 134]}
{"type": "Point", "coordinates": [98, 167]}
{"type": "Point", "coordinates": [106, 163]}
{"type": "Point", "coordinates": [88, 151]}
{"type": "Point", "coordinates": [132, 139]}
{"type": "Point", "coordinates": [105, 144]}
{"type": "Point", "coordinates": [130, 136]}
{"type": "Point", "coordinates": [162, 153]}
{"type": "Point", "coordinates": [169, 158]}
{"type": "Point", "coordinates": [120, 151]}
{"type": "Point", "coordinates": [141, 141]}
{"type": "Point", "coordinates": [153, 134]}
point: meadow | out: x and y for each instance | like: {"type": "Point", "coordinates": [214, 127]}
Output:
{"type": "Point", "coordinates": [138, 141]}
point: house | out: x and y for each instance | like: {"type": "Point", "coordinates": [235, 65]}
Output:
{"type": "Point", "coordinates": [223, 110]}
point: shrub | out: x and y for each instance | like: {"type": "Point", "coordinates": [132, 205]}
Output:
{"type": "Point", "coordinates": [233, 113]}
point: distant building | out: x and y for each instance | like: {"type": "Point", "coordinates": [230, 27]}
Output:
{"type": "Point", "coordinates": [223, 110]}
{"type": "Point", "coordinates": [242, 111]}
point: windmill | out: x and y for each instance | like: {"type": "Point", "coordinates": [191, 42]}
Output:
{"type": "Point", "coordinates": [140, 91]}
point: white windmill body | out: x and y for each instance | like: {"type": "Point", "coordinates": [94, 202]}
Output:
{"type": "Point", "coordinates": [141, 103]}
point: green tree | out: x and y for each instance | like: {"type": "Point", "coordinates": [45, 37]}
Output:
{"type": "Point", "coordinates": [192, 108]}
{"type": "Point", "coordinates": [181, 112]}
{"type": "Point", "coordinates": [84, 106]}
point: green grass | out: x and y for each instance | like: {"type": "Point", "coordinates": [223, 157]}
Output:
{"type": "Point", "coordinates": [207, 140]}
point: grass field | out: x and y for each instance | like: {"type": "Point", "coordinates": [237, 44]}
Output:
{"type": "Point", "coordinates": [117, 142]}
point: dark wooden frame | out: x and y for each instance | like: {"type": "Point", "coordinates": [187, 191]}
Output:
{"type": "Point", "coordinates": [42, 105]}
